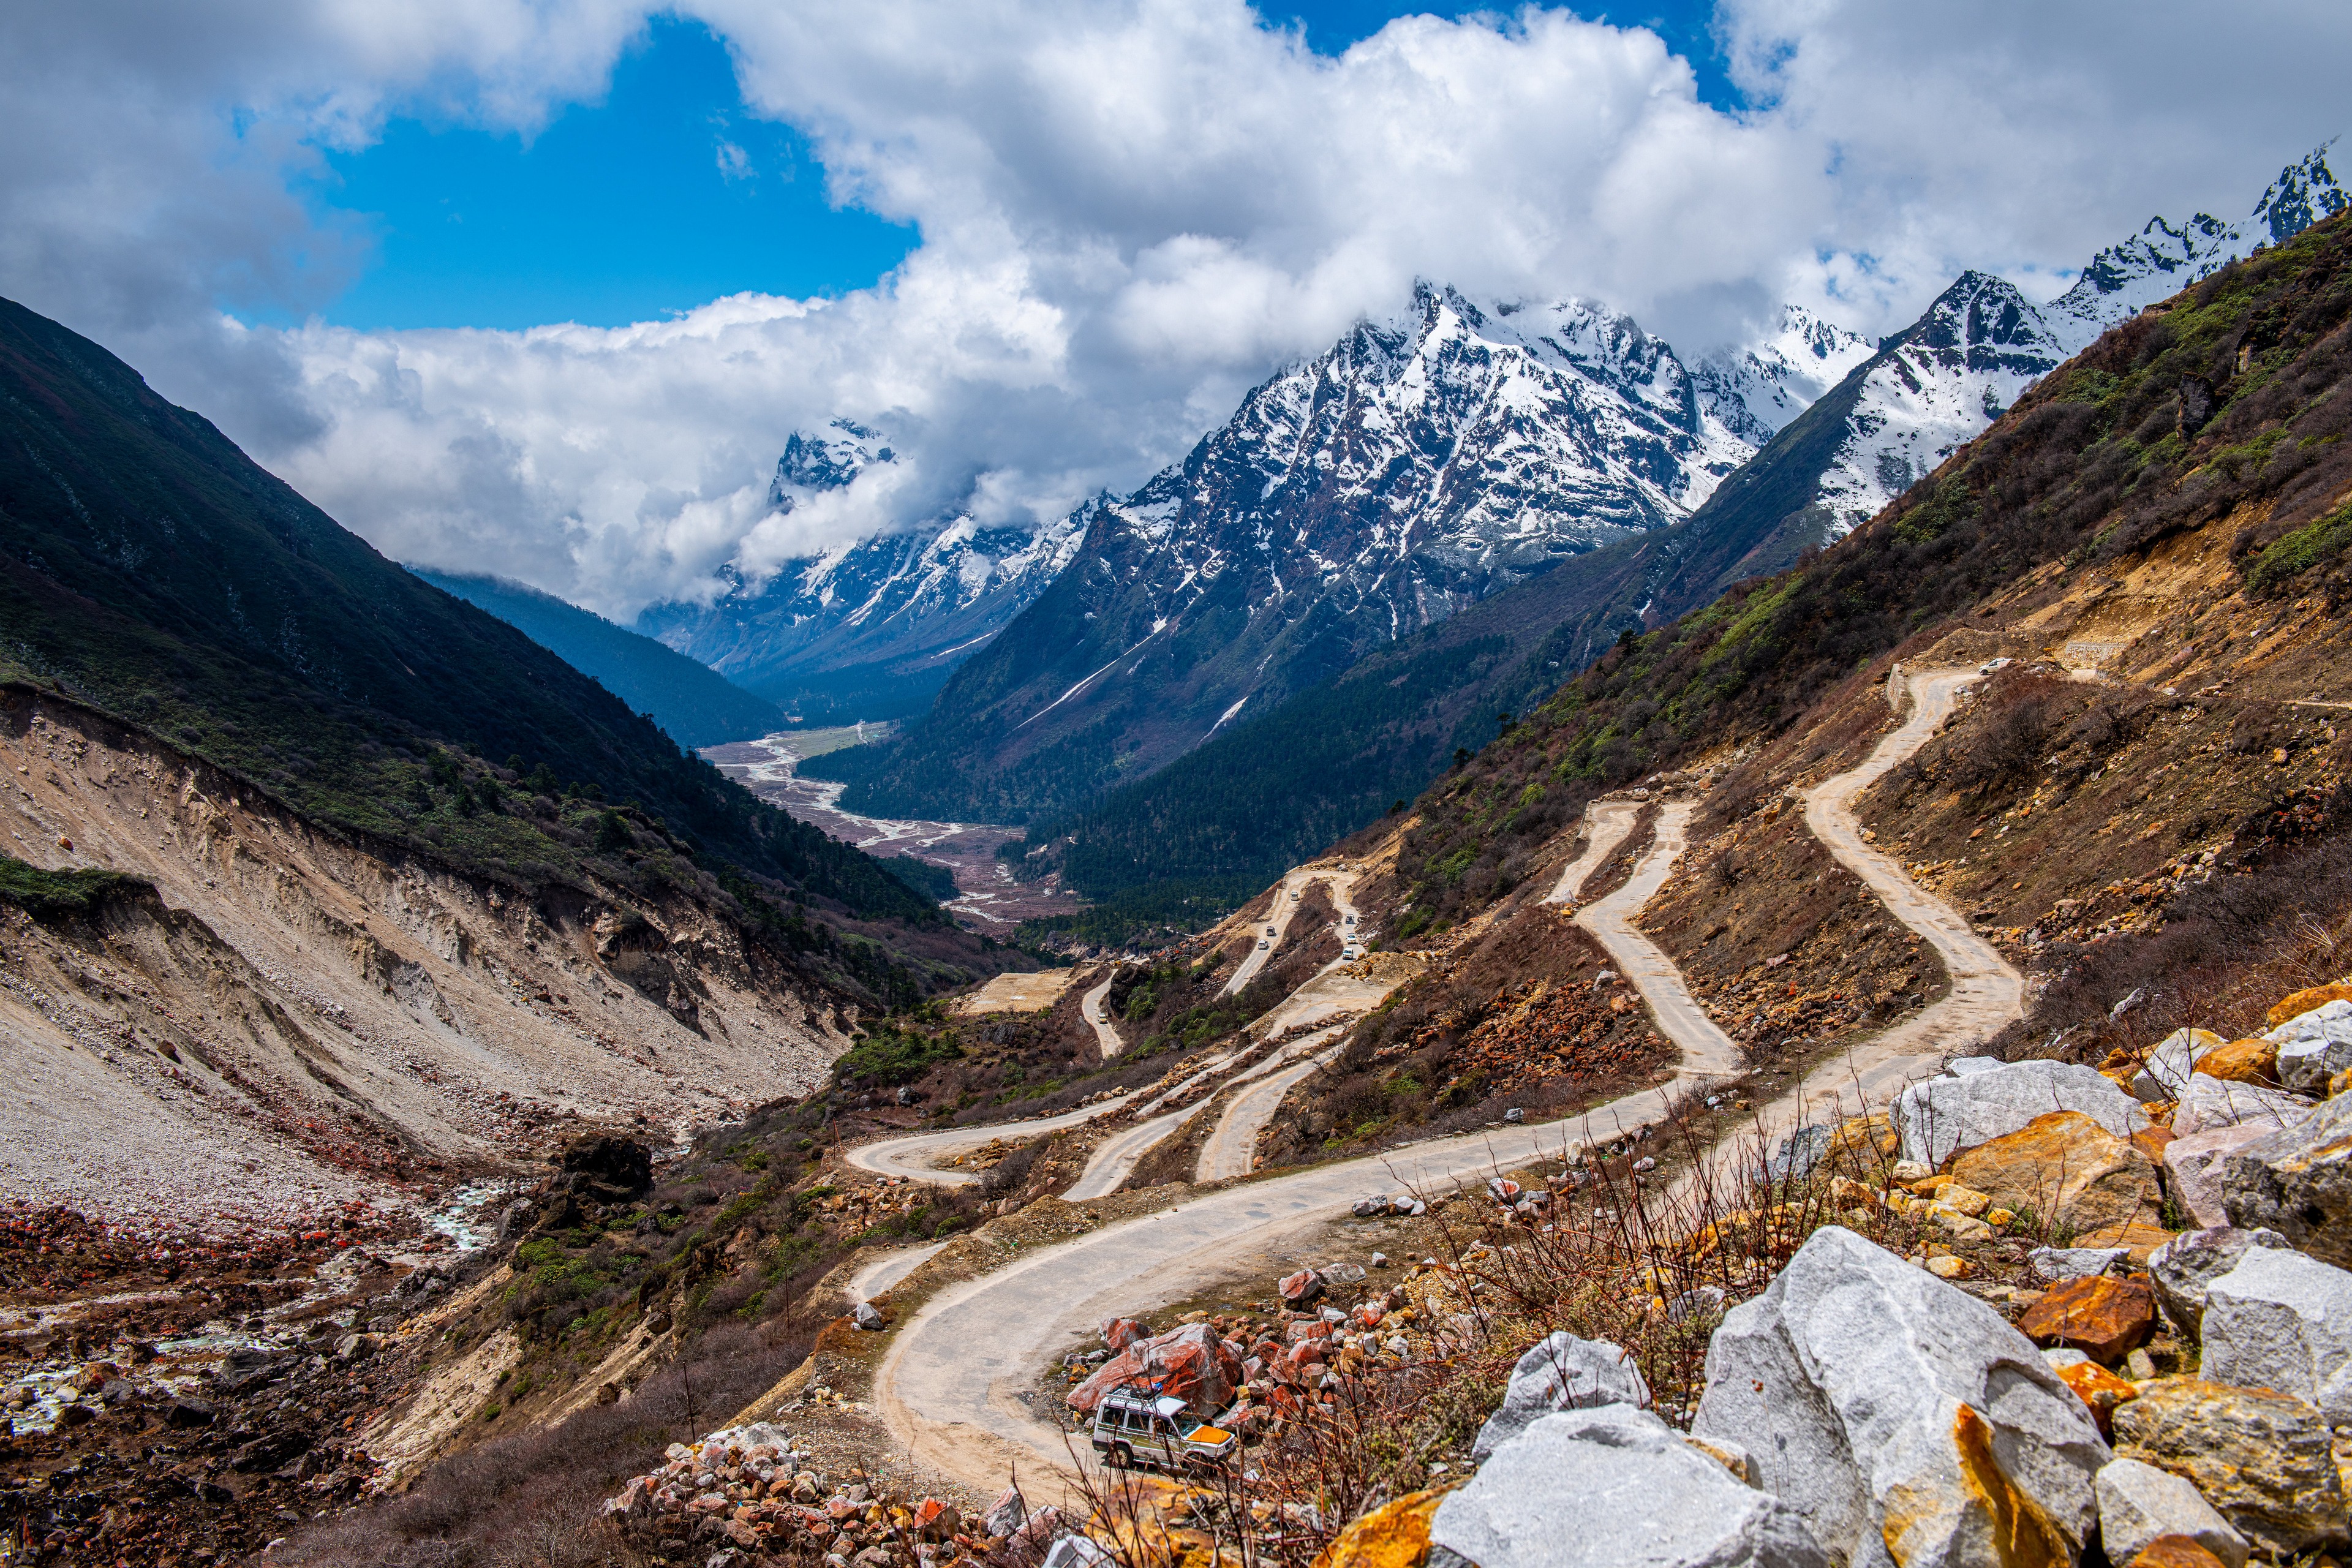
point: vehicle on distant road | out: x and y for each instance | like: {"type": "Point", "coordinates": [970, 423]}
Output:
{"type": "Point", "coordinates": [1136, 1427]}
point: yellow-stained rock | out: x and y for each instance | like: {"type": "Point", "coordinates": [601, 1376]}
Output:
{"type": "Point", "coordinates": [2260, 1457]}
{"type": "Point", "coordinates": [2099, 1388]}
{"type": "Point", "coordinates": [2302, 1002]}
{"type": "Point", "coordinates": [2250, 1060]}
{"type": "Point", "coordinates": [2137, 1237]}
{"type": "Point", "coordinates": [1964, 1200]}
{"type": "Point", "coordinates": [2066, 1168]}
{"type": "Point", "coordinates": [1949, 1267]}
{"type": "Point", "coordinates": [1394, 1535]}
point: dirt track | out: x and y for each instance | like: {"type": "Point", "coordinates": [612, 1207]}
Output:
{"type": "Point", "coordinates": [947, 1387]}
{"type": "Point", "coordinates": [1091, 1006]}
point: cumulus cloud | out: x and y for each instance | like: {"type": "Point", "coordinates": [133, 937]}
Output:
{"type": "Point", "coordinates": [1130, 211]}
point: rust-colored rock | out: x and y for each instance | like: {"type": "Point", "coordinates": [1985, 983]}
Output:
{"type": "Point", "coordinates": [2175, 1551]}
{"type": "Point", "coordinates": [2105, 1318]}
{"type": "Point", "coordinates": [1394, 1535]}
{"type": "Point", "coordinates": [2152, 1142]}
{"type": "Point", "coordinates": [2302, 1002]}
{"type": "Point", "coordinates": [2138, 1237]}
{"type": "Point", "coordinates": [2252, 1060]}
{"type": "Point", "coordinates": [1300, 1287]}
{"type": "Point", "coordinates": [2065, 1168]}
{"type": "Point", "coordinates": [2100, 1389]}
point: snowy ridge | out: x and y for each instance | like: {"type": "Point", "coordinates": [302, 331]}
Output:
{"type": "Point", "coordinates": [1951, 373]}
{"type": "Point", "coordinates": [1756, 391]}
{"type": "Point", "coordinates": [916, 599]}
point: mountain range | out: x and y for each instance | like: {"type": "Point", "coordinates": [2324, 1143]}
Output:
{"type": "Point", "coordinates": [1453, 457]}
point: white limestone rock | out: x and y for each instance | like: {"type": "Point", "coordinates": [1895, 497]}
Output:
{"type": "Point", "coordinates": [1943, 1115]}
{"type": "Point", "coordinates": [1876, 1399]}
{"type": "Point", "coordinates": [2193, 1165]}
{"type": "Point", "coordinates": [2139, 1503]}
{"type": "Point", "coordinates": [2182, 1268]}
{"type": "Point", "coordinates": [1562, 1372]}
{"type": "Point", "coordinates": [1615, 1487]}
{"type": "Point", "coordinates": [2313, 1046]}
{"type": "Point", "coordinates": [2297, 1180]}
{"type": "Point", "coordinates": [2280, 1320]}
{"type": "Point", "coordinates": [2211, 1103]}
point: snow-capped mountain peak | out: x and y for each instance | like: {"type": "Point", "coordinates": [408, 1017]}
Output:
{"type": "Point", "coordinates": [1758, 390]}
{"type": "Point", "coordinates": [813, 463]}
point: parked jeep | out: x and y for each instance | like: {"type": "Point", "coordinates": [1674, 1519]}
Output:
{"type": "Point", "coordinates": [1136, 1427]}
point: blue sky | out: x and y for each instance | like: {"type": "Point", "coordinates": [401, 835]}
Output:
{"type": "Point", "coordinates": [669, 193]}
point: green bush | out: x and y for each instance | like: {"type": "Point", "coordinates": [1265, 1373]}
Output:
{"type": "Point", "coordinates": [50, 895]}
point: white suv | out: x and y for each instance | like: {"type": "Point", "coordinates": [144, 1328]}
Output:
{"type": "Point", "coordinates": [1136, 1427]}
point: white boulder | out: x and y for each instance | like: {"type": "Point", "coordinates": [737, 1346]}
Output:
{"type": "Point", "coordinates": [2283, 1320]}
{"type": "Point", "coordinates": [2210, 1103]}
{"type": "Point", "coordinates": [1562, 1372]}
{"type": "Point", "coordinates": [1898, 1415]}
{"type": "Point", "coordinates": [2139, 1503]}
{"type": "Point", "coordinates": [2193, 1166]}
{"type": "Point", "coordinates": [1943, 1115]}
{"type": "Point", "coordinates": [2296, 1181]}
{"type": "Point", "coordinates": [1616, 1488]}
{"type": "Point", "coordinates": [2313, 1046]}
{"type": "Point", "coordinates": [2056, 1263]}
{"type": "Point", "coordinates": [2182, 1268]}
{"type": "Point", "coordinates": [2165, 1072]}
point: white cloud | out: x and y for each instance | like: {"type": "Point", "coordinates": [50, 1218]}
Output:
{"type": "Point", "coordinates": [1129, 212]}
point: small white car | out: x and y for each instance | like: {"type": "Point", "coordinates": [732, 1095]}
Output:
{"type": "Point", "coordinates": [1136, 1427]}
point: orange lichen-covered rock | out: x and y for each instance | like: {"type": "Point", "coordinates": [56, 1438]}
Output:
{"type": "Point", "coordinates": [1394, 1535]}
{"type": "Point", "coordinates": [2175, 1551]}
{"type": "Point", "coordinates": [2251, 1060]}
{"type": "Point", "coordinates": [2105, 1318]}
{"type": "Point", "coordinates": [2302, 1002]}
{"type": "Point", "coordinates": [2097, 1387]}
{"type": "Point", "coordinates": [2065, 1167]}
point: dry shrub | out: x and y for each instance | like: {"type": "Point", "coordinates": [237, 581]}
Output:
{"type": "Point", "coordinates": [533, 1499]}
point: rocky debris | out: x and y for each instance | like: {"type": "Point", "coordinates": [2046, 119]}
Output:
{"type": "Point", "coordinates": [743, 1489]}
{"type": "Point", "coordinates": [2057, 1263]}
{"type": "Point", "coordinates": [2104, 1317]}
{"type": "Point", "coordinates": [2211, 1103]}
{"type": "Point", "coordinates": [607, 1169]}
{"type": "Point", "coordinates": [1944, 1115]}
{"type": "Point", "coordinates": [1617, 1487]}
{"type": "Point", "coordinates": [2313, 1046]}
{"type": "Point", "coordinates": [1799, 1152]}
{"type": "Point", "coordinates": [2139, 1503]}
{"type": "Point", "coordinates": [1008, 1513]}
{"type": "Point", "coordinates": [1562, 1372]}
{"type": "Point", "coordinates": [2193, 1167]}
{"type": "Point", "coordinates": [2260, 1457]}
{"type": "Point", "coordinates": [2182, 1268]}
{"type": "Point", "coordinates": [2281, 1320]}
{"type": "Point", "coordinates": [1300, 1287]}
{"type": "Point", "coordinates": [2297, 1182]}
{"type": "Point", "coordinates": [2064, 1167]}
{"type": "Point", "coordinates": [868, 1316]}
{"type": "Point", "coordinates": [1882, 1403]}
{"type": "Point", "coordinates": [2296, 1003]}
{"type": "Point", "coordinates": [1191, 1363]}
{"type": "Point", "coordinates": [1121, 1333]}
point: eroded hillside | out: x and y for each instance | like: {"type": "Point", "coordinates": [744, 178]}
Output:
{"type": "Point", "coordinates": [264, 1020]}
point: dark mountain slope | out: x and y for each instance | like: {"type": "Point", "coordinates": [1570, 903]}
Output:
{"type": "Point", "coordinates": [152, 571]}
{"type": "Point", "coordinates": [2233, 402]}
{"type": "Point", "coordinates": [695, 703]}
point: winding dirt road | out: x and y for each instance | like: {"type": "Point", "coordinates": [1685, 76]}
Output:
{"type": "Point", "coordinates": [913, 1156]}
{"type": "Point", "coordinates": [1286, 900]}
{"type": "Point", "coordinates": [1091, 1006]}
{"type": "Point", "coordinates": [1231, 1149]}
{"type": "Point", "coordinates": [950, 1386]}
{"type": "Point", "coordinates": [1707, 1050]}
{"type": "Point", "coordinates": [1987, 994]}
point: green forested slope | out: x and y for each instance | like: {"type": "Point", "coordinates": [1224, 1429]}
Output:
{"type": "Point", "coordinates": [698, 706]}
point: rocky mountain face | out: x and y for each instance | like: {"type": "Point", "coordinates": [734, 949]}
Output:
{"type": "Point", "coordinates": [1417, 467]}
{"type": "Point", "coordinates": [869, 629]}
